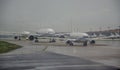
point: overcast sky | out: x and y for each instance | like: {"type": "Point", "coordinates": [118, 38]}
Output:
{"type": "Point", "coordinates": [83, 15]}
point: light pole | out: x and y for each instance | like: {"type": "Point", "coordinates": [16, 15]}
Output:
{"type": "Point", "coordinates": [108, 28]}
{"type": "Point", "coordinates": [119, 29]}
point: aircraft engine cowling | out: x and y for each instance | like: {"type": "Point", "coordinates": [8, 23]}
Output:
{"type": "Point", "coordinates": [31, 37]}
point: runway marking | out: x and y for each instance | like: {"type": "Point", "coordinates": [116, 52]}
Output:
{"type": "Point", "coordinates": [45, 48]}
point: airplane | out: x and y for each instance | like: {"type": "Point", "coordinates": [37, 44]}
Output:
{"type": "Point", "coordinates": [77, 37]}
{"type": "Point", "coordinates": [60, 35]}
{"type": "Point", "coordinates": [71, 37]}
{"type": "Point", "coordinates": [117, 35]}
{"type": "Point", "coordinates": [21, 35]}
{"type": "Point", "coordinates": [113, 36]}
{"type": "Point", "coordinates": [93, 35]}
{"type": "Point", "coordinates": [46, 32]}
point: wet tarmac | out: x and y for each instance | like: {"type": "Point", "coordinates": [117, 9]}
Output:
{"type": "Point", "coordinates": [48, 61]}
{"type": "Point", "coordinates": [36, 57]}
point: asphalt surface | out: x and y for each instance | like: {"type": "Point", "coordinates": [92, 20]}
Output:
{"type": "Point", "coordinates": [48, 61]}
{"type": "Point", "coordinates": [108, 55]}
{"type": "Point", "coordinates": [34, 57]}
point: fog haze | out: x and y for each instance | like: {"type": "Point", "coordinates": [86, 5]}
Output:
{"type": "Point", "coordinates": [83, 15]}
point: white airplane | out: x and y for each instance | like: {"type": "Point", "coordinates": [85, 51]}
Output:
{"type": "Point", "coordinates": [48, 32]}
{"type": "Point", "coordinates": [93, 36]}
{"type": "Point", "coordinates": [20, 35]}
{"type": "Point", "coordinates": [78, 35]}
{"type": "Point", "coordinates": [60, 35]}
{"type": "Point", "coordinates": [117, 35]}
{"type": "Point", "coordinates": [25, 33]}
{"type": "Point", "coordinates": [79, 38]}
{"type": "Point", "coordinates": [113, 36]}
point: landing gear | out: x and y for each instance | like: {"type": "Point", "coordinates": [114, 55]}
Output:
{"type": "Point", "coordinates": [52, 40]}
{"type": "Point", "coordinates": [92, 42]}
{"type": "Point", "coordinates": [69, 43]}
{"type": "Point", "coordinates": [85, 43]}
{"type": "Point", "coordinates": [36, 40]}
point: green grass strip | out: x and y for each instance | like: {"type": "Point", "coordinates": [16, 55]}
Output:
{"type": "Point", "coordinates": [6, 47]}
